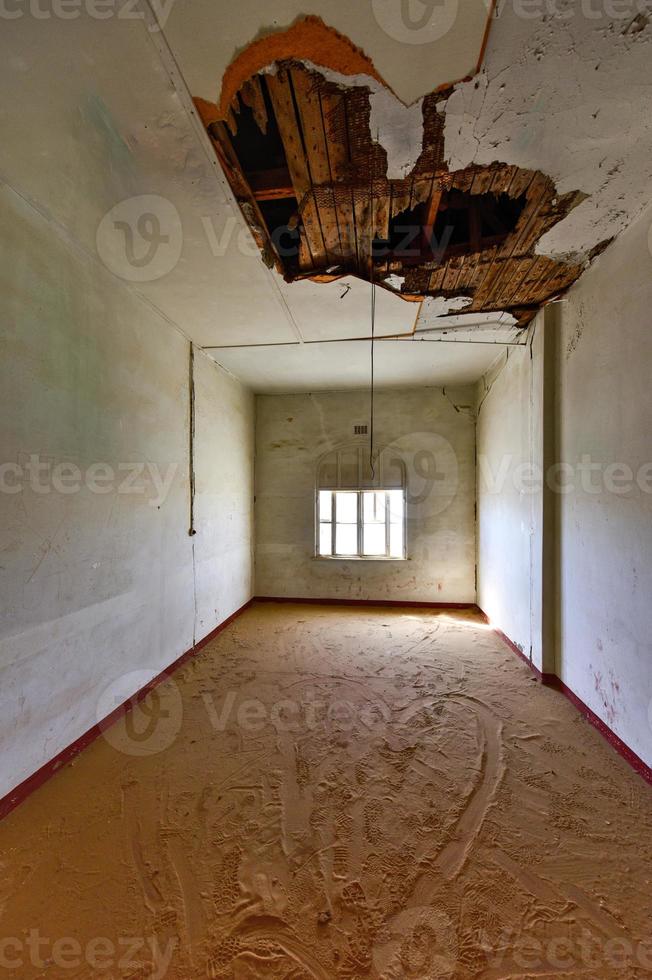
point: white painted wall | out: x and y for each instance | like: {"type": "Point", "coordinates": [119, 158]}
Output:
{"type": "Point", "coordinates": [605, 412]}
{"type": "Point", "coordinates": [510, 501]}
{"type": "Point", "coordinates": [96, 585]}
{"type": "Point", "coordinates": [599, 535]}
{"type": "Point", "coordinates": [224, 487]}
{"type": "Point", "coordinates": [294, 431]}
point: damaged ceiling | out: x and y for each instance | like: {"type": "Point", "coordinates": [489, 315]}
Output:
{"type": "Point", "coordinates": [565, 97]}
{"type": "Point", "coordinates": [299, 150]}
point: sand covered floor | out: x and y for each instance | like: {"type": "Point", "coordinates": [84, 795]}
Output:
{"type": "Point", "coordinates": [336, 792]}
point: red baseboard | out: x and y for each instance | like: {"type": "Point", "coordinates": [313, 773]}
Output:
{"type": "Point", "coordinates": [545, 678]}
{"type": "Point", "coordinates": [409, 603]}
{"type": "Point", "coordinates": [614, 740]}
{"type": "Point", "coordinates": [551, 680]}
{"type": "Point", "coordinates": [27, 787]}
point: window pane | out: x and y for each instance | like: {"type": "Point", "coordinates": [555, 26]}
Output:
{"type": "Point", "coordinates": [374, 539]}
{"type": "Point", "coordinates": [325, 505]}
{"type": "Point", "coordinates": [396, 527]}
{"type": "Point", "coordinates": [346, 539]}
{"type": "Point", "coordinates": [325, 539]}
{"type": "Point", "coordinates": [347, 508]}
{"type": "Point", "coordinates": [374, 507]}
{"type": "Point", "coordinates": [396, 540]}
{"type": "Point", "coordinates": [396, 506]}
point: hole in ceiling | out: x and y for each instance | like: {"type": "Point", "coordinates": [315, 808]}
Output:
{"type": "Point", "coordinates": [311, 179]}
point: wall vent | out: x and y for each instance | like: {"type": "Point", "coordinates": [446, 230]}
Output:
{"type": "Point", "coordinates": [360, 430]}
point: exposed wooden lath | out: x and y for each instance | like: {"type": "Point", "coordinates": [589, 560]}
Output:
{"type": "Point", "coordinates": [326, 206]}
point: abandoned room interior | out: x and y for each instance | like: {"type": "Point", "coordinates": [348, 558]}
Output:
{"type": "Point", "coordinates": [326, 489]}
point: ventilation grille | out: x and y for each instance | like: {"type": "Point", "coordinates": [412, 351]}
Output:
{"type": "Point", "coordinates": [360, 430]}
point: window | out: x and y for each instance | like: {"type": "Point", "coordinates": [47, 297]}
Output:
{"type": "Point", "coordinates": [360, 514]}
{"type": "Point", "coordinates": [361, 523]}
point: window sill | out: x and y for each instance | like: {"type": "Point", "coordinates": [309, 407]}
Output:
{"type": "Point", "coordinates": [354, 558]}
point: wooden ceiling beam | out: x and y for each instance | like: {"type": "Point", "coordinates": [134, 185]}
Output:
{"type": "Point", "coordinates": [271, 185]}
{"type": "Point", "coordinates": [282, 98]}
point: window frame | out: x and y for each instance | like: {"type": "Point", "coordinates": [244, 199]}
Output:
{"type": "Point", "coordinates": [359, 556]}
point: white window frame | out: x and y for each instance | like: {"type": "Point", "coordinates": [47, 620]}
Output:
{"type": "Point", "coordinates": [360, 556]}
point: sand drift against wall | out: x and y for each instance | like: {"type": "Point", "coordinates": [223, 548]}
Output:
{"type": "Point", "coordinates": [338, 793]}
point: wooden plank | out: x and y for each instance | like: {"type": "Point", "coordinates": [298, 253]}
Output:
{"type": "Point", "coordinates": [541, 269]}
{"type": "Point", "coordinates": [520, 182]}
{"type": "Point", "coordinates": [333, 112]}
{"type": "Point", "coordinates": [225, 153]}
{"type": "Point", "coordinates": [363, 212]}
{"type": "Point", "coordinates": [433, 207]}
{"type": "Point", "coordinates": [548, 279]}
{"type": "Point", "coordinates": [517, 243]}
{"type": "Point", "coordinates": [271, 185]}
{"type": "Point", "coordinates": [517, 270]}
{"type": "Point", "coordinates": [308, 103]}
{"type": "Point", "coordinates": [346, 224]}
{"type": "Point", "coordinates": [381, 210]}
{"type": "Point", "coordinates": [306, 261]}
{"type": "Point", "coordinates": [466, 265]}
{"type": "Point", "coordinates": [312, 126]}
{"type": "Point", "coordinates": [280, 94]}
{"type": "Point", "coordinates": [503, 177]}
{"type": "Point", "coordinates": [463, 179]}
{"type": "Point", "coordinates": [526, 231]}
{"type": "Point", "coordinates": [400, 201]}
{"type": "Point", "coordinates": [437, 275]}
{"type": "Point", "coordinates": [486, 270]}
{"type": "Point", "coordinates": [251, 94]}
{"type": "Point", "coordinates": [453, 267]}
{"type": "Point", "coordinates": [482, 181]}
{"type": "Point", "coordinates": [460, 269]}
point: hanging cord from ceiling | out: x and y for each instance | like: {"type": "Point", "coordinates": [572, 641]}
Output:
{"type": "Point", "coordinates": [372, 464]}
{"type": "Point", "coordinates": [373, 344]}
{"type": "Point", "coordinates": [191, 481]}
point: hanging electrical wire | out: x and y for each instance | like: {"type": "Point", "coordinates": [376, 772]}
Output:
{"type": "Point", "coordinates": [373, 339]}
{"type": "Point", "coordinates": [372, 465]}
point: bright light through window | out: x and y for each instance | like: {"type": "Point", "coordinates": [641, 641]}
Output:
{"type": "Point", "coordinates": [361, 523]}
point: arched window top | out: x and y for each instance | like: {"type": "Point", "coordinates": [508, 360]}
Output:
{"type": "Point", "coordinates": [348, 467]}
